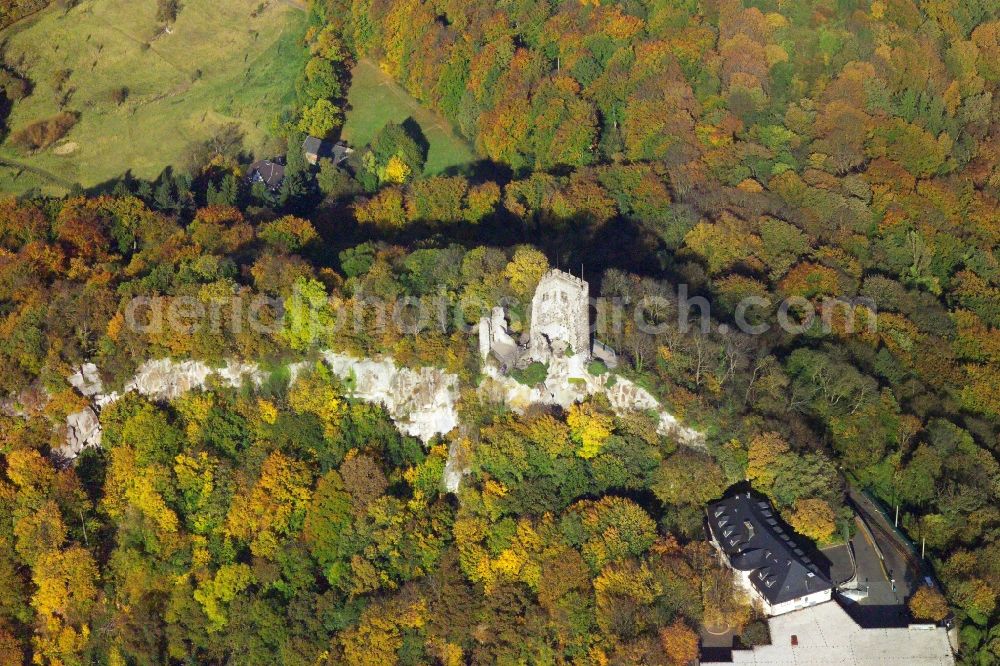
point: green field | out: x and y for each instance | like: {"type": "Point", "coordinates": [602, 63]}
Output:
{"type": "Point", "coordinates": [375, 99]}
{"type": "Point", "coordinates": [218, 64]}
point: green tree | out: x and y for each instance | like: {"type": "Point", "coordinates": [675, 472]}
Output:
{"type": "Point", "coordinates": [321, 119]}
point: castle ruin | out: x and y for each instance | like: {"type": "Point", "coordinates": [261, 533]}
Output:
{"type": "Point", "coordinates": [560, 324]}
{"type": "Point", "coordinates": [494, 338]}
{"type": "Point", "coordinates": [560, 317]}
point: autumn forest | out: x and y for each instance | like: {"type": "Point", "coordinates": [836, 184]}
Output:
{"type": "Point", "coordinates": [780, 151]}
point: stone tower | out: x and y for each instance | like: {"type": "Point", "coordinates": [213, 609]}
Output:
{"type": "Point", "coordinates": [560, 317]}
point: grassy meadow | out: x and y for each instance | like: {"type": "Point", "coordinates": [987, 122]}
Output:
{"type": "Point", "coordinates": [375, 99]}
{"type": "Point", "coordinates": [217, 64]}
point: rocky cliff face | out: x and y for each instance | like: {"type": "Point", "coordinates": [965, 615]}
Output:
{"type": "Point", "coordinates": [166, 380]}
{"type": "Point", "coordinates": [421, 402]}
{"type": "Point", "coordinates": [569, 381]}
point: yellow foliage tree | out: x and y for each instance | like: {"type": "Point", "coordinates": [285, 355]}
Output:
{"type": "Point", "coordinates": [680, 643]}
{"type": "Point", "coordinates": [268, 412]}
{"type": "Point", "coordinates": [725, 603]}
{"type": "Point", "coordinates": [589, 428]}
{"type": "Point", "coordinates": [385, 209]}
{"type": "Point", "coordinates": [524, 271]}
{"type": "Point", "coordinates": [314, 393]}
{"type": "Point", "coordinates": [622, 590]}
{"type": "Point", "coordinates": [395, 171]}
{"type": "Point", "coordinates": [813, 518]}
{"type": "Point", "coordinates": [763, 452]}
{"type": "Point", "coordinates": [379, 635]}
{"type": "Point", "coordinates": [271, 509]}
{"type": "Point", "coordinates": [66, 589]}
{"type": "Point", "coordinates": [928, 604]}
{"type": "Point", "coordinates": [215, 594]}
{"type": "Point", "coordinates": [30, 472]}
{"type": "Point", "coordinates": [722, 244]}
{"type": "Point", "coordinates": [549, 433]}
{"type": "Point", "coordinates": [196, 481]}
{"type": "Point", "coordinates": [39, 531]}
{"type": "Point", "coordinates": [143, 496]}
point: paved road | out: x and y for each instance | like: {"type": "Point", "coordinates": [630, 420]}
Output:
{"type": "Point", "coordinates": [841, 567]}
{"type": "Point", "coordinates": [902, 565]}
{"type": "Point", "coordinates": [889, 581]}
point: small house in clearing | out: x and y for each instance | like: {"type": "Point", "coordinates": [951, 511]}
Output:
{"type": "Point", "coordinates": [268, 172]}
{"type": "Point", "coordinates": [317, 149]}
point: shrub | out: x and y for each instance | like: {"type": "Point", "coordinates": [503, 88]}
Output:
{"type": "Point", "coordinates": [166, 11]}
{"type": "Point", "coordinates": [60, 78]}
{"type": "Point", "coordinates": [43, 133]}
{"type": "Point", "coordinates": [532, 375]}
{"type": "Point", "coordinates": [755, 633]}
{"type": "Point", "coordinates": [597, 368]}
{"type": "Point", "coordinates": [14, 87]}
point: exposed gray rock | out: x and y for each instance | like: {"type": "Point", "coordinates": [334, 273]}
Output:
{"type": "Point", "coordinates": [165, 379]}
{"type": "Point", "coordinates": [569, 381]}
{"type": "Point", "coordinates": [87, 380]}
{"type": "Point", "coordinates": [457, 466]}
{"type": "Point", "coordinates": [420, 401]}
{"type": "Point", "coordinates": [83, 430]}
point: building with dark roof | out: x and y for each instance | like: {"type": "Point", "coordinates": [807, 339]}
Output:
{"type": "Point", "coordinates": [753, 542]}
{"type": "Point", "coordinates": [268, 172]}
{"type": "Point", "coordinates": [316, 149]}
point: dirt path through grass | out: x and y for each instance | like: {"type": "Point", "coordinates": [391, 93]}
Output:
{"type": "Point", "coordinates": [47, 175]}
